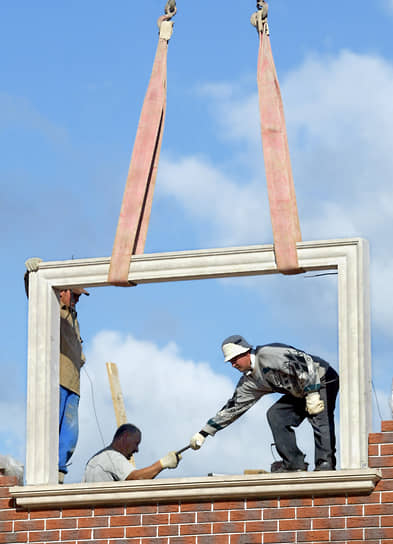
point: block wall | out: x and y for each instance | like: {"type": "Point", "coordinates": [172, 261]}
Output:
{"type": "Point", "coordinates": [316, 520]}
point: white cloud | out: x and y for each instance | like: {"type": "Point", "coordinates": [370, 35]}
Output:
{"type": "Point", "coordinates": [170, 398]}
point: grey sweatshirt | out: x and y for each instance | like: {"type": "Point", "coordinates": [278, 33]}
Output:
{"type": "Point", "coordinates": [277, 368]}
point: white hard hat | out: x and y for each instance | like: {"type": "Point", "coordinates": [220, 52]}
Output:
{"type": "Point", "coordinates": [233, 346]}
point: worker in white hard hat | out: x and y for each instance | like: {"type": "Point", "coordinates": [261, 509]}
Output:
{"type": "Point", "coordinates": [72, 359]}
{"type": "Point", "coordinates": [309, 386]}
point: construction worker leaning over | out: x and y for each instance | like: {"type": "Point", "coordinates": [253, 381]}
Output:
{"type": "Point", "coordinates": [112, 463]}
{"type": "Point", "coordinates": [72, 359]}
{"type": "Point", "coordinates": [310, 387]}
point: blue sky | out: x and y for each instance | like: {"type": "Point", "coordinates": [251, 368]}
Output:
{"type": "Point", "coordinates": [74, 76]}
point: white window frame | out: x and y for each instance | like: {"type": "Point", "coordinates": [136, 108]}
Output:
{"type": "Point", "coordinates": [349, 257]}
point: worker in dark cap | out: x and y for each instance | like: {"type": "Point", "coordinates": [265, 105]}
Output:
{"type": "Point", "coordinates": [72, 359]}
{"type": "Point", "coordinates": [309, 386]}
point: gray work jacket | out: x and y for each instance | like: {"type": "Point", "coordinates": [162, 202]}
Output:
{"type": "Point", "coordinates": [278, 368]}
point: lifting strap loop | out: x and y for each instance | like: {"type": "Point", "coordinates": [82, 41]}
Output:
{"type": "Point", "coordinates": [138, 194]}
{"type": "Point", "coordinates": [280, 185]}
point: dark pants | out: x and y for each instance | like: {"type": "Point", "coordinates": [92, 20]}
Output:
{"type": "Point", "coordinates": [289, 412]}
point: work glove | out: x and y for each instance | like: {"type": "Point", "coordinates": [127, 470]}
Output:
{"type": "Point", "coordinates": [170, 460]}
{"type": "Point", "coordinates": [33, 264]}
{"type": "Point", "coordinates": [196, 441]}
{"type": "Point", "coordinates": [314, 404]}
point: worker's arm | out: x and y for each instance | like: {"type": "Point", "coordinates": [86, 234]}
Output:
{"type": "Point", "coordinates": [171, 460]}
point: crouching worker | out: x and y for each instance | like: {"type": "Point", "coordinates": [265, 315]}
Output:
{"type": "Point", "coordinates": [309, 386]}
{"type": "Point", "coordinates": [112, 463]}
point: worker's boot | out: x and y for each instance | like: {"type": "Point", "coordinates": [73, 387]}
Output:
{"type": "Point", "coordinates": [281, 466]}
{"type": "Point", "coordinates": [324, 465]}
{"type": "Point", "coordinates": [61, 477]}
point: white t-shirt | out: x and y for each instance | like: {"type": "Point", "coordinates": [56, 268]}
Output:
{"type": "Point", "coordinates": [107, 466]}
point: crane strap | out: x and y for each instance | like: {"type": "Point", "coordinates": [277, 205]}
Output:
{"type": "Point", "coordinates": [281, 189]}
{"type": "Point", "coordinates": [138, 194]}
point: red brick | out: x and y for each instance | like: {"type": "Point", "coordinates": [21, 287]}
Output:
{"type": "Point", "coordinates": [214, 539]}
{"type": "Point", "coordinates": [387, 521]}
{"type": "Point", "coordinates": [229, 527]}
{"type": "Point", "coordinates": [108, 532]}
{"type": "Point", "coordinates": [166, 508]}
{"type": "Point", "coordinates": [43, 536]}
{"type": "Point", "coordinates": [243, 515]}
{"type": "Point", "coordinates": [143, 509]}
{"type": "Point", "coordinates": [261, 526]}
{"type": "Point", "coordinates": [123, 521]}
{"type": "Point", "coordinates": [113, 511]}
{"type": "Point", "coordinates": [168, 530]}
{"type": "Point", "coordinates": [386, 449]}
{"type": "Point", "coordinates": [76, 534]}
{"type": "Point", "coordinates": [386, 532]}
{"type": "Point", "coordinates": [279, 513]}
{"type": "Point", "coordinates": [251, 503]}
{"type": "Point", "coordinates": [387, 473]}
{"type": "Point", "coordinates": [362, 522]}
{"type": "Point", "coordinates": [380, 438]}
{"type": "Point", "coordinates": [61, 524]}
{"type": "Point", "coordinates": [378, 509]}
{"type": "Point", "coordinates": [376, 462]}
{"type": "Point", "coordinates": [101, 521]}
{"type": "Point", "coordinates": [313, 536]}
{"type": "Point", "coordinates": [195, 506]}
{"type": "Point", "coordinates": [11, 514]}
{"type": "Point", "coordinates": [245, 539]}
{"type": "Point", "coordinates": [387, 496]}
{"type": "Point", "coordinates": [346, 534]}
{"type": "Point", "coordinates": [8, 481]}
{"type": "Point", "coordinates": [7, 538]}
{"type": "Point", "coordinates": [132, 532]}
{"type": "Point", "coordinates": [294, 524]}
{"type": "Point", "coordinates": [209, 517]}
{"type": "Point", "coordinates": [351, 510]}
{"type": "Point", "coordinates": [27, 525]}
{"type": "Point", "coordinates": [77, 512]}
{"type": "Point", "coordinates": [373, 450]}
{"type": "Point", "coordinates": [196, 529]}
{"type": "Point", "coordinates": [313, 512]}
{"type": "Point", "coordinates": [155, 519]}
{"type": "Point", "coordinates": [329, 523]}
{"type": "Point", "coordinates": [4, 492]}
{"type": "Point", "coordinates": [228, 505]}
{"type": "Point", "coordinates": [387, 426]}
{"type": "Point", "coordinates": [189, 517]}
{"type": "Point", "coordinates": [295, 502]}
{"type": "Point", "coordinates": [329, 501]}
{"type": "Point", "coordinates": [5, 526]}
{"type": "Point", "coordinates": [6, 503]}
{"type": "Point", "coordinates": [44, 514]}
{"type": "Point", "coordinates": [385, 485]}
{"type": "Point", "coordinates": [147, 541]}
{"type": "Point", "coordinates": [285, 538]}
{"type": "Point", "coordinates": [365, 499]}
{"type": "Point", "coordinates": [183, 540]}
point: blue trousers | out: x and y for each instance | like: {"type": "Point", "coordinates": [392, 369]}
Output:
{"type": "Point", "coordinates": [68, 426]}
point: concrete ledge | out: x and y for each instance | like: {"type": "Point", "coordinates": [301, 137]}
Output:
{"type": "Point", "coordinates": [299, 484]}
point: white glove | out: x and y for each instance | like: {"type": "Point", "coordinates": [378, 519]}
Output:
{"type": "Point", "coordinates": [196, 441]}
{"type": "Point", "coordinates": [33, 264]}
{"type": "Point", "coordinates": [314, 404]}
{"type": "Point", "coordinates": [170, 460]}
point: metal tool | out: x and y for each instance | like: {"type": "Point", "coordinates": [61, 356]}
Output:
{"type": "Point", "coordinates": [183, 449]}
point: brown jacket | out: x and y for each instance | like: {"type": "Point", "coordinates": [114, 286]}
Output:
{"type": "Point", "coordinates": [71, 355]}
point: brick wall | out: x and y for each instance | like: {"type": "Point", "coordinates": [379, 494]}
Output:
{"type": "Point", "coordinates": [352, 519]}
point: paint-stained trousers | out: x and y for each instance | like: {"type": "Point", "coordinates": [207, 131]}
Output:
{"type": "Point", "coordinates": [289, 412]}
{"type": "Point", "coordinates": [68, 426]}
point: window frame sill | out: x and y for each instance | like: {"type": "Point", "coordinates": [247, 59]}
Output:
{"type": "Point", "coordinates": [207, 488]}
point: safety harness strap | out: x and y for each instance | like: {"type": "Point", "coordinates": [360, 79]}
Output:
{"type": "Point", "coordinates": [281, 190]}
{"type": "Point", "coordinates": [138, 194]}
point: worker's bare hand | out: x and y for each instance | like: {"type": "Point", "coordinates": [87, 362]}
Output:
{"type": "Point", "coordinates": [170, 460]}
{"type": "Point", "coordinates": [314, 404]}
{"type": "Point", "coordinates": [197, 441]}
{"type": "Point", "coordinates": [33, 264]}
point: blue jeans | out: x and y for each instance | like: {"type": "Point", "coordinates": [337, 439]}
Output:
{"type": "Point", "coordinates": [68, 426]}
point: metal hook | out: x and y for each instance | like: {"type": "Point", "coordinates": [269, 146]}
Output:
{"type": "Point", "coordinates": [170, 8]}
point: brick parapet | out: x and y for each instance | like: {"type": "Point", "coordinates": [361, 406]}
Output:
{"type": "Point", "coordinates": [339, 519]}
